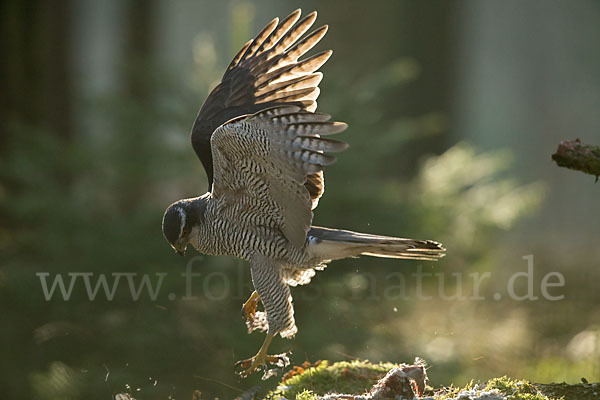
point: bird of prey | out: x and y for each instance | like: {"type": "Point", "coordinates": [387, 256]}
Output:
{"type": "Point", "coordinates": [264, 147]}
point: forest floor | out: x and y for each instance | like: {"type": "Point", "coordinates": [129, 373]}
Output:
{"type": "Point", "coordinates": [362, 380]}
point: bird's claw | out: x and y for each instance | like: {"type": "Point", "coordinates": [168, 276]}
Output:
{"type": "Point", "coordinates": [260, 363]}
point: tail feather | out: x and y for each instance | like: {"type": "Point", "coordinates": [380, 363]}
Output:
{"type": "Point", "coordinates": [331, 244]}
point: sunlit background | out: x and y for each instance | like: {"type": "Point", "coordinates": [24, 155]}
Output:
{"type": "Point", "coordinates": [454, 110]}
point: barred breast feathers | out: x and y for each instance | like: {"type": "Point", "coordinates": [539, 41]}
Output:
{"type": "Point", "coordinates": [262, 161]}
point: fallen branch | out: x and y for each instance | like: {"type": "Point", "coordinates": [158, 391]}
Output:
{"type": "Point", "coordinates": [578, 156]}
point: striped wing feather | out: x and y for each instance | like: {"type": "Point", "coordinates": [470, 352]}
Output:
{"type": "Point", "coordinates": [264, 73]}
{"type": "Point", "coordinates": [266, 159]}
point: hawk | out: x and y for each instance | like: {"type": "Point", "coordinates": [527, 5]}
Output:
{"type": "Point", "coordinates": [264, 147]}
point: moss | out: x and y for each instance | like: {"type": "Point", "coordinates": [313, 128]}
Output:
{"type": "Point", "coordinates": [349, 377]}
{"type": "Point", "coordinates": [357, 377]}
{"type": "Point", "coordinates": [306, 395]}
{"type": "Point", "coordinates": [517, 389]}
{"type": "Point", "coordinates": [513, 389]}
{"type": "Point", "coordinates": [452, 391]}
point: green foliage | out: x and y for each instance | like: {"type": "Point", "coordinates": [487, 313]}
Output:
{"type": "Point", "coordinates": [465, 191]}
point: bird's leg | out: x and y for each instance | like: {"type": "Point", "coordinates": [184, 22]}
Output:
{"type": "Point", "coordinates": [249, 307]}
{"type": "Point", "coordinates": [261, 359]}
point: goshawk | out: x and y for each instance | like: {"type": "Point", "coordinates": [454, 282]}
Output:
{"type": "Point", "coordinates": [264, 147]}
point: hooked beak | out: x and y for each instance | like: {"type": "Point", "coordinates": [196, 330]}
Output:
{"type": "Point", "coordinates": [180, 249]}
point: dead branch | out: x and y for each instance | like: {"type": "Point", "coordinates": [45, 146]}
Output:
{"type": "Point", "coordinates": [575, 155]}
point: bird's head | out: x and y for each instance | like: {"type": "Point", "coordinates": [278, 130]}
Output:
{"type": "Point", "coordinates": [181, 221]}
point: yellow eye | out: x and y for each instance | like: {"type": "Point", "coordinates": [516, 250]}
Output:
{"type": "Point", "coordinates": [185, 232]}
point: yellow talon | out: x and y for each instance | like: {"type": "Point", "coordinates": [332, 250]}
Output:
{"type": "Point", "coordinates": [260, 360]}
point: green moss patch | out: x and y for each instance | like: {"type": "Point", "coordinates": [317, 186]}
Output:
{"type": "Point", "coordinates": [357, 377]}
{"type": "Point", "coordinates": [349, 377]}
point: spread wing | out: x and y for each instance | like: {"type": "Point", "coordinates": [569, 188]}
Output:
{"type": "Point", "coordinates": [261, 164]}
{"type": "Point", "coordinates": [264, 73]}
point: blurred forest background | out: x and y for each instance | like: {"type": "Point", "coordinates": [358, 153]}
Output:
{"type": "Point", "coordinates": [454, 109]}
